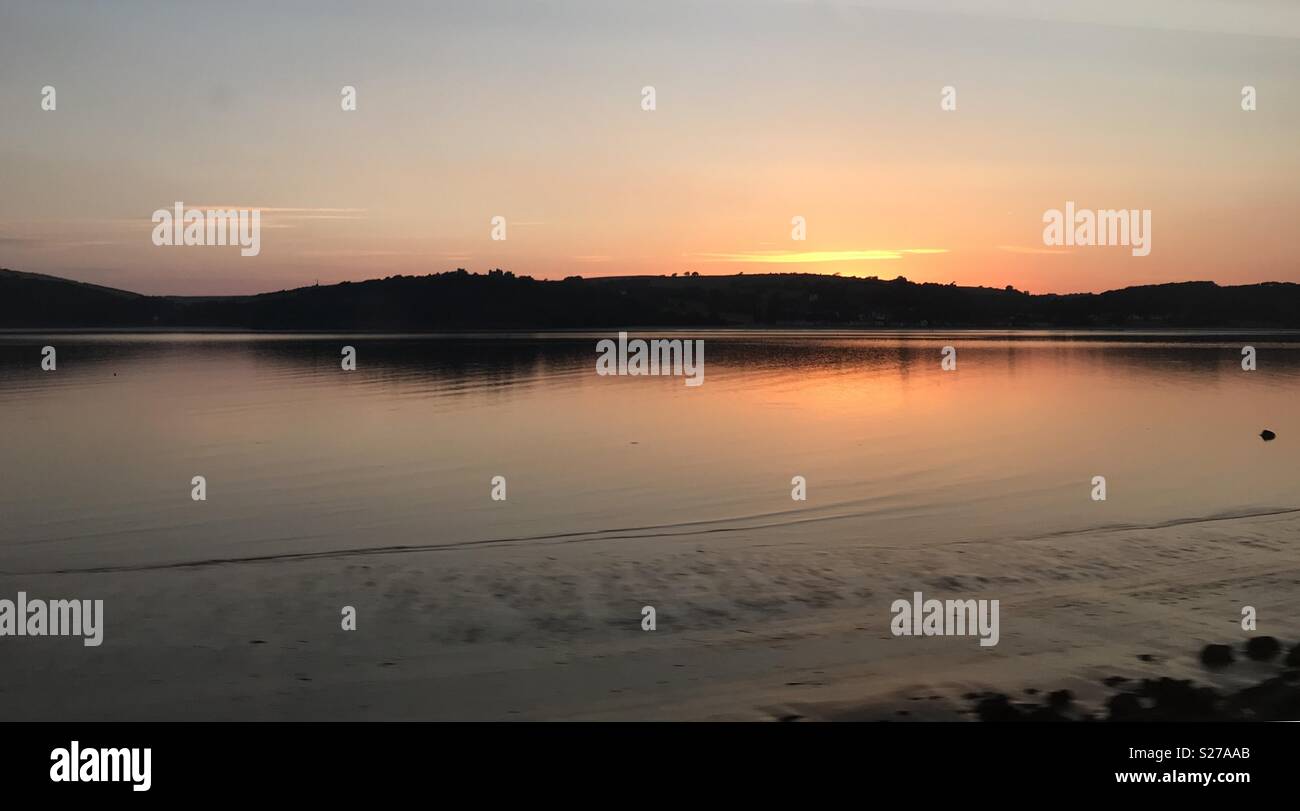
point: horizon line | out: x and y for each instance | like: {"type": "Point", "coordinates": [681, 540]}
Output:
{"type": "Point", "coordinates": [681, 275]}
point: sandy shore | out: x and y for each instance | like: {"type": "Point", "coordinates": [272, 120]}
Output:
{"type": "Point", "coordinates": [746, 628]}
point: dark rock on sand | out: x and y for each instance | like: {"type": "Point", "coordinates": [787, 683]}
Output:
{"type": "Point", "coordinates": [1123, 707]}
{"type": "Point", "coordinates": [1292, 655]}
{"type": "Point", "coordinates": [1267, 435]}
{"type": "Point", "coordinates": [1179, 699]}
{"type": "Point", "coordinates": [1275, 698]}
{"type": "Point", "coordinates": [1271, 700]}
{"type": "Point", "coordinates": [1262, 648]}
{"type": "Point", "coordinates": [1216, 655]}
{"type": "Point", "coordinates": [1293, 658]}
{"type": "Point", "coordinates": [997, 707]}
{"type": "Point", "coordinates": [1046, 714]}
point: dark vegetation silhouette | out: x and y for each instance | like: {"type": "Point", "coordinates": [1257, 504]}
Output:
{"type": "Point", "coordinates": [500, 300]}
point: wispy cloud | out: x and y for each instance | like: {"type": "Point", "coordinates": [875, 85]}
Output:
{"type": "Point", "coordinates": [53, 243]}
{"type": "Point", "coordinates": [806, 257]}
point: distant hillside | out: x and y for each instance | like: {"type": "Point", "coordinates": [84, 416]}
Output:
{"type": "Point", "coordinates": [497, 300]}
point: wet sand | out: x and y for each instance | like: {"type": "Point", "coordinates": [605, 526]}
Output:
{"type": "Point", "coordinates": [748, 628]}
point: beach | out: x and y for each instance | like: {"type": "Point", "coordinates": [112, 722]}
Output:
{"type": "Point", "coordinates": [745, 631]}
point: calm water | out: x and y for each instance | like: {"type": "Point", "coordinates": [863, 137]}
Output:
{"type": "Point", "coordinates": [302, 457]}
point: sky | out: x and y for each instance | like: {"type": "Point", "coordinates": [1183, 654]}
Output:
{"type": "Point", "coordinates": [765, 110]}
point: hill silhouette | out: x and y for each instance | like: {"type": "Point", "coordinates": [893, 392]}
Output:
{"type": "Point", "coordinates": [459, 300]}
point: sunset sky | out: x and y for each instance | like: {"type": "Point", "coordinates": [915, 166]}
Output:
{"type": "Point", "coordinates": [766, 110]}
